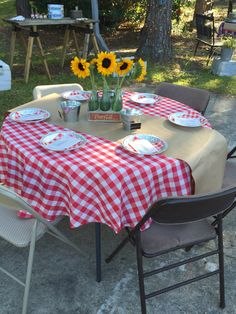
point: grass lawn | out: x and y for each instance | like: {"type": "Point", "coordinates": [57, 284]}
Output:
{"type": "Point", "coordinates": [184, 69]}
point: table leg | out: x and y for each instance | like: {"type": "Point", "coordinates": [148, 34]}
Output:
{"type": "Point", "coordinates": [94, 40]}
{"type": "Point", "coordinates": [86, 45]}
{"type": "Point", "coordinates": [76, 42]}
{"type": "Point", "coordinates": [65, 42]}
{"type": "Point", "coordinates": [28, 57]}
{"type": "Point", "coordinates": [23, 41]}
{"type": "Point", "coordinates": [12, 46]}
{"type": "Point", "coordinates": [95, 44]}
{"type": "Point", "coordinates": [43, 56]}
{"type": "Point", "coordinates": [24, 44]}
{"type": "Point", "coordinates": [98, 251]}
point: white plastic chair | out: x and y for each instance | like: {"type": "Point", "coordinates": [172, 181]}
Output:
{"type": "Point", "coordinates": [44, 90]}
{"type": "Point", "coordinates": [24, 232]}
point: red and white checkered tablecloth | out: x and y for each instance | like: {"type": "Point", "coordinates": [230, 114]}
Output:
{"type": "Point", "coordinates": [100, 182]}
{"type": "Point", "coordinates": [162, 108]}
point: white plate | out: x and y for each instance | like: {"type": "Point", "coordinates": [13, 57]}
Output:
{"type": "Point", "coordinates": [187, 120]}
{"type": "Point", "coordinates": [144, 144]}
{"type": "Point", "coordinates": [76, 95]}
{"type": "Point", "coordinates": [62, 141]}
{"type": "Point", "coordinates": [144, 98]}
{"type": "Point", "coordinates": [28, 115]}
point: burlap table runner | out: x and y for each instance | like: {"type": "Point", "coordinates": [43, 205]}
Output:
{"type": "Point", "coordinates": [204, 149]}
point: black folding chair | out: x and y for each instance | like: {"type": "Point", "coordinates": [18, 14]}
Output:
{"type": "Point", "coordinates": [180, 222]}
{"type": "Point", "coordinates": [206, 34]}
{"type": "Point", "coordinates": [230, 169]}
{"type": "Point", "coordinates": [195, 98]}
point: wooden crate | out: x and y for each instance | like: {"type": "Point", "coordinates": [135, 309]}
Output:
{"type": "Point", "coordinates": [104, 116]}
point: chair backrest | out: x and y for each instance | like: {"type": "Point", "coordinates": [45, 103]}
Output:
{"type": "Point", "coordinates": [185, 209]}
{"type": "Point", "coordinates": [44, 90]}
{"type": "Point", "coordinates": [205, 26]}
{"type": "Point", "coordinates": [13, 201]}
{"type": "Point", "coordinates": [193, 97]}
{"type": "Point", "coordinates": [13, 229]}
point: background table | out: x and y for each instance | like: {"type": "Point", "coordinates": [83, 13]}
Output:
{"type": "Point", "coordinates": [31, 25]}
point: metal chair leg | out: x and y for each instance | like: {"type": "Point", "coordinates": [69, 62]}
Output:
{"type": "Point", "coordinates": [221, 264]}
{"type": "Point", "coordinates": [231, 152]}
{"type": "Point", "coordinates": [98, 251]}
{"type": "Point", "coordinates": [195, 51]}
{"type": "Point", "coordinates": [119, 247]}
{"type": "Point", "coordinates": [140, 273]}
{"type": "Point", "coordinates": [210, 55]}
{"type": "Point", "coordinates": [131, 238]}
{"type": "Point", "coordinates": [29, 269]}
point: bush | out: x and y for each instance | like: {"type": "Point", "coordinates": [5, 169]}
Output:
{"type": "Point", "coordinates": [111, 13]}
{"type": "Point", "coordinates": [114, 12]}
{"type": "Point", "coordinates": [178, 7]}
{"type": "Point", "coordinates": [229, 42]}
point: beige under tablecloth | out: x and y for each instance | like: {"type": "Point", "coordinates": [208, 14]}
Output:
{"type": "Point", "coordinates": [204, 149]}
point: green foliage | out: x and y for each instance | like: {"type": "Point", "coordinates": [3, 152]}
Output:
{"type": "Point", "coordinates": [7, 9]}
{"type": "Point", "coordinates": [136, 12]}
{"type": "Point", "coordinates": [229, 42]}
{"type": "Point", "coordinates": [116, 11]}
{"type": "Point", "coordinates": [178, 7]}
{"type": "Point", "coordinates": [204, 79]}
{"type": "Point", "coordinates": [111, 13]}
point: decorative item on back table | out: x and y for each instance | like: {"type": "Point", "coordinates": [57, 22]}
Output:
{"type": "Point", "coordinates": [55, 11]}
{"type": "Point", "coordinates": [228, 47]}
{"type": "Point", "coordinates": [106, 105]}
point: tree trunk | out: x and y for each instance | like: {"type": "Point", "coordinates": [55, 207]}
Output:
{"type": "Point", "coordinates": [23, 8]}
{"type": "Point", "coordinates": [155, 37]}
{"type": "Point", "coordinates": [203, 6]}
{"type": "Point", "coordinates": [230, 7]}
{"type": "Point", "coordinates": [199, 7]}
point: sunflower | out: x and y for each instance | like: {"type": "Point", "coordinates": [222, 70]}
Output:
{"type": "Point", "coordinates": [80, 67]}
{"type": "Point", "coordinates": [124, 66]}
{"type": "Point", "coordinates": [142, 65]}
{"type": "Point", "coordinates": [106, 63]}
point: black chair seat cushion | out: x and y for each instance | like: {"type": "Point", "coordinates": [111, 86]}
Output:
{"type": "Point", "coordinates": [160, 238]}
{"type": "Point", "coordinates": [230, 173]}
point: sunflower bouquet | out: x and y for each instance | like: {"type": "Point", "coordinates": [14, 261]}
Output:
{"type": "Point", "coordinates": [107, 65]}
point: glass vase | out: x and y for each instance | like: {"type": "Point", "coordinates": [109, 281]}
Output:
{"type": "Point", "coordinates": [93, 103]}
{"type": "Point", "coordinates": [117, 100]}
{"type": "Point", "coordinates": [105, 101]}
